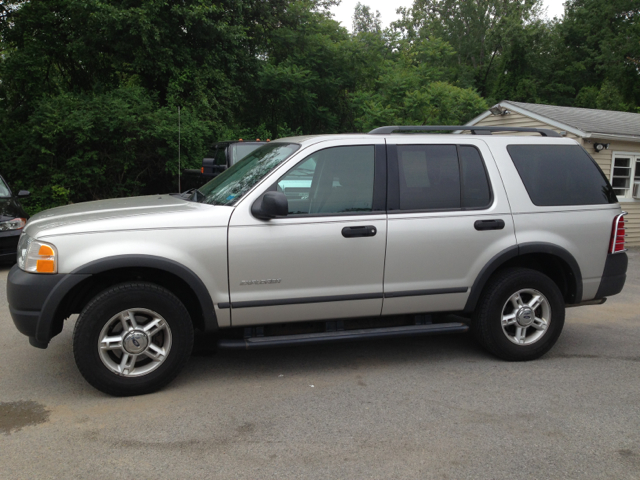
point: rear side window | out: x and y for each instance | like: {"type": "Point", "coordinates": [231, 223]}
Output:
{"type": "Point", "coordinates": [556, 175]}
{"type": "Point", "coordinates": [442, 177]}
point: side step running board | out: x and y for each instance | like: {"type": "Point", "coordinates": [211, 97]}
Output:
{"type": "Point", "coordinates": [340, 336]}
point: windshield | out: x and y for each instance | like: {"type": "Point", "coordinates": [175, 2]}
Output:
{"type": "Point", "coordinates": [4, 190]}
{"type": "Point", "coordinates": [231, 185]}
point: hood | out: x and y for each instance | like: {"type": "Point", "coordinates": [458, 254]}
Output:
{"type": "Point", "coordinates": [133, 213]}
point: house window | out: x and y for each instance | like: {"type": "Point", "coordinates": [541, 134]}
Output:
{"type": "Point", "coordinates": [625, 172]}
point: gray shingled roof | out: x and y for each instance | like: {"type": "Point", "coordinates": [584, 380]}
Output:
{"type": "Point", "coordinates": [586, 119]}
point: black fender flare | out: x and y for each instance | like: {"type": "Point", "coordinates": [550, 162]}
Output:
{"type": "Point", "coordinates": [517, 250]}
{"type": "Point", "coordinates": [159, 263]}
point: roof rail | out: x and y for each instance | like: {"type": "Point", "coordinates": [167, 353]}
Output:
{"type": "Point", "coordinates": [474, 130]}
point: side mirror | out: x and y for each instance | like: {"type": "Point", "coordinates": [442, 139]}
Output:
{"type": "Point", "coordinates": [270, 205]}
{"type": "Point", "coordinates": [24, 193]}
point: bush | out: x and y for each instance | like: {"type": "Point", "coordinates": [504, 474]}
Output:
{"type": "Point", "coordinates": [79, 147]}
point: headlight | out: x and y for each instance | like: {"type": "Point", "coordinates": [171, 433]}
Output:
{"type": "Point", "coordinates": [36, 257]}
{"type": "Point", "coordinates": [15, 224]}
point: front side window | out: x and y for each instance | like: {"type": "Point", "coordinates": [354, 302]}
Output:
{"type": "Point", "coordinates": [625, 173]}
{"type": "Point", "coordinates": [332, 181]}
{"type": "Point", "coordinates": [557, 175]}
{"type": "Point", "coordinates": [232, 184]}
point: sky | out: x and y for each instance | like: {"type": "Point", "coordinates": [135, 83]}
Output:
{"type": "Point", "coordinates": [344, 12]}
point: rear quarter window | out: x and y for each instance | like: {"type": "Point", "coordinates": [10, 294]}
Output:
{"type": "Point", "coordinates": [556, 175]}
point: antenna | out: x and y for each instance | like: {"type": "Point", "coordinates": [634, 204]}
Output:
{"type": "Point", "coordinates": [179, 188]}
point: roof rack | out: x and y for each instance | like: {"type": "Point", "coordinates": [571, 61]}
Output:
{"type": "Point", "coordinates": [474, 130]}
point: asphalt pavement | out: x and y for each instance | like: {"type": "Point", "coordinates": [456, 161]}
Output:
{"type": "Point", "coordinates": [419, 408]}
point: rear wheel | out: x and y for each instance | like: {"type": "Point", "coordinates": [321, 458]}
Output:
{"type": "Point", "coordinates": [132, 339]}
{"type": "Point", "coordinates": [520, 316]}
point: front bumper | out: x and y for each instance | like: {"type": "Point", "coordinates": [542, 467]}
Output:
{"type": "Point", "coordinates": [34, 301]}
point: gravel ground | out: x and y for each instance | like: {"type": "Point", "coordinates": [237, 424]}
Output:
{"type": "Point", "coordinates": [435, 407]}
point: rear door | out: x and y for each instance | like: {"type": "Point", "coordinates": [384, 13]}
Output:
{"type": "Point", "coordinates": [448, 216]}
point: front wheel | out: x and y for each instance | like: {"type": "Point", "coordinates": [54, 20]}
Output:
{"type": "Point", "coordinates": [520, 316]}
{"type": "Point", "coordinates": [132, 339]}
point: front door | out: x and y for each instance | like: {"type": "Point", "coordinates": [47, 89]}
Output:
{"type": "Point", "coordinates": [325, 259]}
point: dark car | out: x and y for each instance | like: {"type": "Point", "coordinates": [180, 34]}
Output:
{"type": "Point", "coordinates": [13, 218]}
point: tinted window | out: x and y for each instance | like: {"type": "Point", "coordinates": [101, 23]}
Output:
{"type": "Point", "coordinates": [429, 177]}
{"type": "Point", "coordinates": [221, 156]}
{"type": "Point", "coordinates": [475, 185]}
{"type": "Point", "coordinates": [561, 175]}
{"type": "Point", "coordinates": [334, 180]}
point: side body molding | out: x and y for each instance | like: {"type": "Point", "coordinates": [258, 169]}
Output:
{"type": "Point", "coordinates": [518, 250]}
{"type": "Point", "coordinates": [159, 263]}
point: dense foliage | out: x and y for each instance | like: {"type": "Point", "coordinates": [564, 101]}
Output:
{"type": "Point", "coordinates": [90, 89]}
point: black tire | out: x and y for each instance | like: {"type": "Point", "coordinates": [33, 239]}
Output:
{"type": "Point", "coordinates": [487, 320]}
{"type": "Point", "coordinates": [100, 312]}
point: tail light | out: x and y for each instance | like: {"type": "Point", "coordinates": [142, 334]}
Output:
{"type": "Point", "coordinates": [616, 245]}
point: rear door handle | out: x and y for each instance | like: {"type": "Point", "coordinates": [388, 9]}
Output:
{"type": "Point", "coordinates": [489, 224]}
{"type": "Point", "coordinates": [363, 231]}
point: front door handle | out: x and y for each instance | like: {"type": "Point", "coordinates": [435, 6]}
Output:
{"type": "Point", "coordinates": [363, 231]}
{"type": "Point", "coordinates": [489, 224]}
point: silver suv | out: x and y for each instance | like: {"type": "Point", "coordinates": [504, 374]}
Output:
{"type": "Point", "coordinates": [329, 238]}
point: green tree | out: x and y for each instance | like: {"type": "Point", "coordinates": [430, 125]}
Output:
{"type": "Point", "coordinates": [527, 67]}
{"type": "Point", "coordinates": [89, 91]}
{"type": "Point", "coordinates": [304, 73]}
{"type": "Point", "coordinates": [600, 43]}
{"type": "Point", "coordinates": [610, 98]}
{"type": "Point", "coordinates": [412, 89]}
{"type": "Point", "coordinates": [478, 30]}
{"type": "Point", "coordinates": [90, 146]}
{"type": "Point", "coordinates": [366, 21]}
